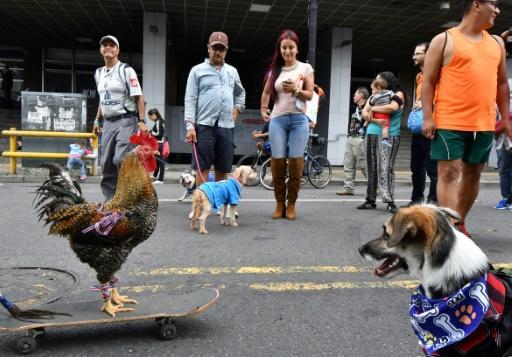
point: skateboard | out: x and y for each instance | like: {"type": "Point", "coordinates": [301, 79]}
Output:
{"type": "Point", "coordinates": [162, 308]}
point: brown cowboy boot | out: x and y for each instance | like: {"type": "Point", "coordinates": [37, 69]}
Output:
{"type": "Point", "coordinates": [295, 166]}
{"type": "Point", "coordinates": [279, 177]}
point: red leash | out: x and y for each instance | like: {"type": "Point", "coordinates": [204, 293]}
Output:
{"type": "Point", "coordinates": [197, 161]}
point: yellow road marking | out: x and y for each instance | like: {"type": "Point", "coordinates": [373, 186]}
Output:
{"type": "Point", "coordinates": [285, 286]}
{"type": "Point", "coordinates": [251, 270]}
{"type": "Point", "coordinates": [503, 265]}
{"type": "Point", "coordinates": [265, 270]}
{"type": "Point", "coordinates": [137, 289]}
{"type": "Point", "coordinates": [282, 287]}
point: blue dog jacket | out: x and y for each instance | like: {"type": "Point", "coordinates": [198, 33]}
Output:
{"type": "Point", "coordinates": [222, 193]}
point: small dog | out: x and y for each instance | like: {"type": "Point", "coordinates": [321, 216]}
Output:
{"type": "Point", "coordinates": [463, 306]}
{"type": "Point", "coordinates": [213, 195]}
{"type": "Point", "coordinates": [188, 181]}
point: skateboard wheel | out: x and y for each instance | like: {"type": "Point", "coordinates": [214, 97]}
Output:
{"type": "Point", "coordinates": [26, 344]}
{"type": "Point", "coordinates": [167, 331]}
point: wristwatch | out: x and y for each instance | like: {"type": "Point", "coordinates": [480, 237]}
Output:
{"type": "Point", "coordinates": [297, 92]}
{"type": "Point", "coordinates": [141, 121]}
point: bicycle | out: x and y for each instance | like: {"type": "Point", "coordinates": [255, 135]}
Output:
{"type": "Point", "coordinates": [255, 160]}
{"type": "Point", "coordinates": [317, 168]}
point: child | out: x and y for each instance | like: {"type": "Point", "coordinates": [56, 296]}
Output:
{"type": "Point", "coordinates": [158, 132]}
{"type": "Point", "coordinates": [76, 152]}
{"type": "Point", "coordinates": [380, 96]}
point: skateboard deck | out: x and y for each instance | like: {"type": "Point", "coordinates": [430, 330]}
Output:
{"type": "Point", "coordinates": [162, 308]}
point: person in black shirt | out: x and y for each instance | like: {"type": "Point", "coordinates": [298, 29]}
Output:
{"type": "Point", "coordinates": [354, 149]}
{"type": "Point", "coordinates": [158, 131]}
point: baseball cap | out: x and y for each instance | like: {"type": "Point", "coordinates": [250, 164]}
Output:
{"type": "Point", "coordinates": [218, 38]}
{"type": "Point", "coordinates": [109, 38]}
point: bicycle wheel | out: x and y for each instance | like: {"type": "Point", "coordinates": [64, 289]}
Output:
{"type": "Point", "coordinates": [319, 171]}
{"type": "Point", "coordinates": [266, 174]}
{"type": "Point", "coordinates": [252, 161]}
{"type": "Point", "coordinates": [249, 160]}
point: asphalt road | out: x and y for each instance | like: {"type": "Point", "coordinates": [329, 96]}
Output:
{"type": "Point", "coordinates": [287, 288]}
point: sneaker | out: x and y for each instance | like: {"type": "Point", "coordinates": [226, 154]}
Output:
{"type": "Point", "coordinates": [157, 182]}
{"type": "Point", "coordinates": [345, 193]}
{"type": "Point", "coordinates": [502, 204]}
{"type": "Point", "coordinates": [367, 205]}
{"type": "Point", "coordinates": [386, 142]}
{"type": "Point", "coordinates": [461, 227]}
{"type": "Point", "coordinates": [82, 178]}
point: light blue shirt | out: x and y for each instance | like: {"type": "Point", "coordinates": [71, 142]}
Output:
{"type": "Point", "coordinates": [212, 94]}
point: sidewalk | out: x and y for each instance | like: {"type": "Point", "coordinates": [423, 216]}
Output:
{"type": "Point", "coordinates": [490, 176]}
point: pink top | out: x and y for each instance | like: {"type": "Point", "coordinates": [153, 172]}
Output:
{"type": "Point", "coordinates": [285, 103]}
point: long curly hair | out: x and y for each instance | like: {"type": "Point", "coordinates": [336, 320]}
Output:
{"type": "Point", "coordinates": [274, 69]}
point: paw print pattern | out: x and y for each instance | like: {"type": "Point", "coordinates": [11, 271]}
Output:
{"type": "Point", "coordinates": [429, 339]}
{"type": "Point", "coordinates": [466, 314]}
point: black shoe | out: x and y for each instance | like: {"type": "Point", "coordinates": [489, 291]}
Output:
{"type": "Point", "coordinates": [367, 205]}
{"type": "Point", "coordinates": [411, 203]}
{"type": "Point", "coordinates": [391, 207]}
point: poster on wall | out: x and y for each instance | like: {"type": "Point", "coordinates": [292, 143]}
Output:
{"type": "Point", "coordinates": [53, 111]}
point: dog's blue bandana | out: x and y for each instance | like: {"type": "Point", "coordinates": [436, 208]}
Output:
{"type": "Point", "coordinates": [441, 322]}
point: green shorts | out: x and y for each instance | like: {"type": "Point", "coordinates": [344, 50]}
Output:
{"type": "Point", "coordinates": [473, 147]}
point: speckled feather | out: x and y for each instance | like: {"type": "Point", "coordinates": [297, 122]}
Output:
{"type": "Point", "coordinates": [68, 215]}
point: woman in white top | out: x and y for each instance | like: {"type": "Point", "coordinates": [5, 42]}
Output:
{"type": "Point", "coordinates": [288, 83]}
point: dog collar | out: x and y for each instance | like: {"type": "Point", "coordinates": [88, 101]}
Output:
{"type": "Point", "coordinates": [441, 322]}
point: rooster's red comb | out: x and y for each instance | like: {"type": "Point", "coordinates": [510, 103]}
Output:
{"type": "Point", "coordinates": [142, 138]}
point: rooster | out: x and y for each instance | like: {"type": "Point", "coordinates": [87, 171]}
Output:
{"type": "Point", "coordinates": [103, 234]}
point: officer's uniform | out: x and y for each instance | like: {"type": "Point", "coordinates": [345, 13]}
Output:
{"type": "Point", "coordinates": [116, 87]}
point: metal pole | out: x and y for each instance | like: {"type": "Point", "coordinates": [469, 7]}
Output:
{"type": "Point", "coordinates": [312, 17]}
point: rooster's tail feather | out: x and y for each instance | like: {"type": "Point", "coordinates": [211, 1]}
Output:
{"type": "Point", "coordinates": [57, 192]}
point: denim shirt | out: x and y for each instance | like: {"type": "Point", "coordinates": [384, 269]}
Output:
{"type": "Point", "coordinates": [212, 94]}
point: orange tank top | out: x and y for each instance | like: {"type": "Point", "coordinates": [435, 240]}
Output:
{"type": "Point", "coordinates": [465, 96]}
{"type": "Point", "coordinates": [419, 85]}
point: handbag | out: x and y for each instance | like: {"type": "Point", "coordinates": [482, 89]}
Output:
{"type": "Point", "coordinates": [166, 149]}
{"type": "Point", "coordinates": [415, 121]}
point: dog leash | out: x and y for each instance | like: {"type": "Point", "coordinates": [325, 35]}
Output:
{"type": "Point", "coordinates": [197, 161]}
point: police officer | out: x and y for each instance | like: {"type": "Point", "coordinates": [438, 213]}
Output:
{"type": "Point", "coordinates": [120, 111]}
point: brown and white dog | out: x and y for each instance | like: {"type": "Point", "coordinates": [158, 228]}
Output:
{"type": "Point", "coordinates": [225, 197]}
{"type": "Point", "coordinates": [422, 241]}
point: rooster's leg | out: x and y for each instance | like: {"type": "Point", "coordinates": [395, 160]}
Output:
{"type": "Point", "coordinates": [108, 306]}
{"type": "Point", "coordinates": [117, 298]}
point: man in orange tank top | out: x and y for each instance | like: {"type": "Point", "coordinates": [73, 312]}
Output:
{"type": "Point", "coordinates": [465, 78]}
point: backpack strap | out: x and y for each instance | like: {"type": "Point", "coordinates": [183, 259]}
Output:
{"type": "Point", "coordinates": [122, 69]}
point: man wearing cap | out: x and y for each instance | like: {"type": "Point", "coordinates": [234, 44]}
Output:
{"type": "Point", "coordinates": [120, 111]}
{"type": "Point", "coordinates": [213, 100]}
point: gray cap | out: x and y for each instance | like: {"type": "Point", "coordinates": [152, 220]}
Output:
{"type": "Point", "coordinates": [109, 38]}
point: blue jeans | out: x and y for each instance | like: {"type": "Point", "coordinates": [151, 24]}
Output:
{"type": "Point", "coordinates": [505, 169]}
{"type": "Point", "coordinates": [288, 135]}
{"type": "Point", "coordinates": [76, 162]}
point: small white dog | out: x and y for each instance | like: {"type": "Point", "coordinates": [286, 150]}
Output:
{"type": "Point", "coordinates": [188, 181]}
{"type": "Point", "coordinates": [218, 195]}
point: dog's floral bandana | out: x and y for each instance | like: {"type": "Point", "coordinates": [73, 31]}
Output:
{"type": "Point", "coordinates": [441, 322]}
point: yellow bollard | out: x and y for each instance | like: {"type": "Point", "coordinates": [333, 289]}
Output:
{"type": "Point", "coordinates": [13, 146]}
{"type": "Point", "coordinates": [95, 145]}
